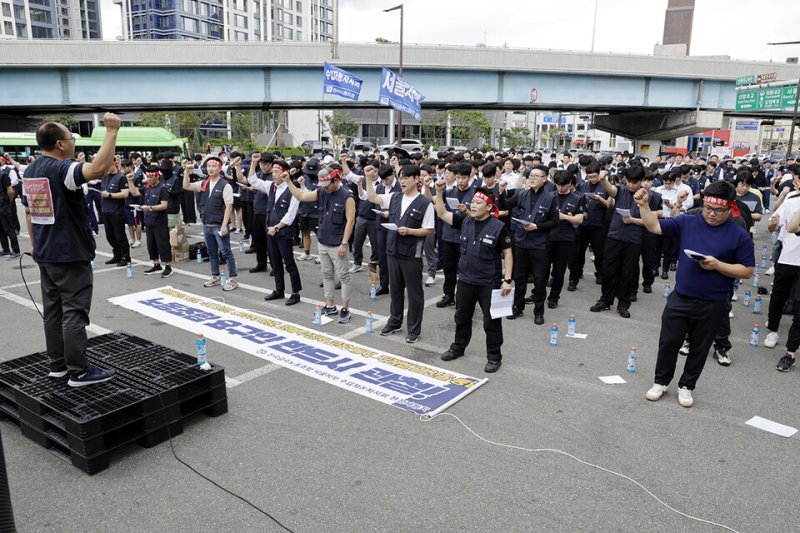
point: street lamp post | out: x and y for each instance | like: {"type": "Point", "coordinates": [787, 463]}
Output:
{"type": "Point", "coordinates": [399, 138]}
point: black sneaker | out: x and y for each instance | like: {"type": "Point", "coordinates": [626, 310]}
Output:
{"type": "Point", "coordinates": [411, 338]}
{"type": "Point", "coordinates": [449, 355]}
{"type": "Point", "coordinates": [293, 299]}
{"type": "Point", "coordinates": [552, 304]}
{"type": "Point", "coordinates": [600, 306]}
{"type": "Point", "coordinates": [90, 376]}
{"type": "Point", "coordinates": [572, 287]}
{"type": "Point", "coordinates": [529, 299]}
{"type": "Point", "coordinates": [153, 270]}
{"type": "Point", "coordinates": [388, 330]}
{"type": "Point", "coordinates": [446, 301]}
{"type": "Point", "coordinates": [722, 357]}
{"type": "Point", "coordinates": [623, 312]}
{"type": "Point", "coordinates": [167, 272]}
{"type": "Point", "coordinates": [381, 291]}
{"type": "Point", "coordinates": [112, 261]}
{"type": "Point", "coordinates": [329, 310]}
{"type": "Point", "coordinates": [786, 362]}
{"type": "Point", "coordinates": [275, 295]}
{"type": "Point", "coordinates": [647, 289]}
{"type": "Point", "coordinates": [492, 367]}
{"type": "Point", "coordinates": [665, 274]}
{"type": "Point", "coordinates": [515, 315]}
{"type": "Point", "coordinates": [344, 316]}
{"type": "Point", "coordinates": [538, 318]}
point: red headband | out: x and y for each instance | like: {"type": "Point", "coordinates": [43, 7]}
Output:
{"type": "Point", "coordinates": [332, 175]}
{"type": "Point", "coordinates": [714, 200]}
{"type": "Point", "coordinates": [489, 201]}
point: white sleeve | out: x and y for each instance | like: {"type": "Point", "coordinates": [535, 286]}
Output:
{"type": "Point", "coordinates": [290, 215]}
{"type": "Point", "coordinates": [259, 184]}
{"type": "Point", "coordinates": [428, 221]}
{"type": "Point", "coordinates": [689, 202]}
{"type": "Point", "coordinates": [386, 199]}
{"type": "Point", "coordinates": [69, 180]}
{"type": "Point", "coordinates": [227, 194]}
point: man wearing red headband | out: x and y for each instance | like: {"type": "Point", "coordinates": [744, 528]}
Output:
{"type": "Point", "coordinates": [722, 251]}
{"type": "Point", "coordinates": [484, 241]}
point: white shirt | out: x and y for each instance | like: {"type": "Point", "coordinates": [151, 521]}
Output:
{"type": "Point", "coordinates": [511, 180]}
{"type": "Point", "coordinates": [427, 218]}
{"type": "Point", "coordinates": [790, 253]}
{"type": "Point", "coordinates": [265, 187]}
{"type": "Point", "coordinates": [672, 196]}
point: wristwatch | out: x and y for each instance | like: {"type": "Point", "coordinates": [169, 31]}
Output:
{"type": "Point", "coordinates": [509, 280]}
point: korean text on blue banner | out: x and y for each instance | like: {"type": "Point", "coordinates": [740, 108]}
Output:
{"type": "Point", "coordinates": [401, 95]}
{"type": "Point", "coordinates": [341, 82]}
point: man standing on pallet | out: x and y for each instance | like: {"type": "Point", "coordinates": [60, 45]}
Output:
{"type": "Point", "coordinates": [63, 245]}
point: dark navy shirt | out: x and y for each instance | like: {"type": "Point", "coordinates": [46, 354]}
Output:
{"type": "Point", "coordinates": [727, 242]}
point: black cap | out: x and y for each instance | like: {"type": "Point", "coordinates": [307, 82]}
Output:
{"type": "Point", "coordinates": [312, 167]}
{"type": "Point", "coordinates": [400, 153]}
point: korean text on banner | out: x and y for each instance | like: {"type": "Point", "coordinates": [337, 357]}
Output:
{"type": "Point", "coordinates": [341, 82]}
{"type": "Point", "coordinates": [387, 378]}
{"type": "Point", "coordinates": [40, 200]}
{"type": "Point", "coordinates": [399, 94]}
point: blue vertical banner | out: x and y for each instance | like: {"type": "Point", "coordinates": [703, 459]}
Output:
{"type": "Point", "coordinates": [341, 82]}
{"type": "Point", "coordinates": [401, 95]}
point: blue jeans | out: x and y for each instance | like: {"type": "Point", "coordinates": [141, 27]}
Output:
{"type": "Point", "coordinates": [215, 244]}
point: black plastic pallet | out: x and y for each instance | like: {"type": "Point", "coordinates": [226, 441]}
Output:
{"type": "Point", "coordinates": [154, 390]}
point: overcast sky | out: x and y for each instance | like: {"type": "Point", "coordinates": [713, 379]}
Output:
{"type": "Point", "coordinates": [738, 28]}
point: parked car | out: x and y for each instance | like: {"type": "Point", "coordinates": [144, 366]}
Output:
{"type": "Point", "coordinates": [455, 148]}
{"type": "Point", "coordinates": [410, 145]}
{"type": "Point", "coordinates": [359, 146]}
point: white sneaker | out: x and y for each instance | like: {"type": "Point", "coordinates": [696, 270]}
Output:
{"type": "Point", "coordinates": [656, 392]}
{"type": "Point", "coordinates": [770, 271]}
{"type": "Point", "coordinates": [136, 244]}
{"type": "Point", "coordinates": [735, 297]}
{"type": "Point", "coordinates": [430, 281]}
{"type": "Point", "coordinates": [685, 397]}
{"type": "Point", "coordinates": [684, 351]}
{"type": "Point", "coordinates": [304, 257]}
{"type": "Point", "coordinates": [730, 314]}
{"type": "Point", "coordinates": [230, 285]}
{"type": "Point", "coordinates": [356, 268]}
{"type": "Point", "coordinates": [213, 282]}
{"type": "Point", "coordinates": [771, 339]}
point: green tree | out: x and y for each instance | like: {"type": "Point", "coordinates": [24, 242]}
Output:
{"type": "Point", "coordinates": [341, 128]}
{"type": "Point", "coordinates": [516, 136]}
{"type": "Point", "coordinates": [469, 126]}
{"type": "Point", "coordinates": [183, 124]}
{"type": "Point", "coordinates": [65, 119]}
{"type": "Point", "coordinates": [381, 40]}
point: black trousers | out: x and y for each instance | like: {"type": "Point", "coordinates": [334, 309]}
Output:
{"type": "Point", "coordinates": [450, 254]}
{"type": "Point", "coordinates": [722, 341]}
{"type": "Point", "coordinates": [620, 271]}
{"type": "Point", "coordinates": [526, 262]}
{"type": "Point", "coordinates": [247, 217]}
{"type": "Point", "coordinates": [8, 233]}
{"type": "Point", "coordinates": [187, 207]}
{"type": "Point", "coordinates": [383, 264]}
{"type": "Point", "coordinates": [158, 242]}
{"type": "Point", "coordinates": [669, 249]}
{"type": "Point", "coordinates": [259, 239]}
{"type": "Point", "coordinates": [650, 247]}
{"type": "Point", "coordinates": [701, 320]}
{"type": "Point", "coordinates": [282, 257]}
{"type": "Point", "coordinates": [114, 225]}
{"type": "Point", "coordinates": [561, 253]}
{"type": "Point", "coordinates": [785, 278]}
{"type": "Point", "coordinates": [468, 295]}
{"type": "Point", "coordinates": [586, 236]}
{"type": "Point", "coordinates": [66, 302]}
{"type": "Point", "coordinates": [364, 228]}
{"type": "Point", "coordinates": [406, 274]}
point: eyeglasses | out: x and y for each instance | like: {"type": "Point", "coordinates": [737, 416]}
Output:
{"type": "Point", "coordinates": [70, 138]}
{"type": "Point", "coordinates": [532, 175]}
{"type": "Point", "coordinates": [715, 210]}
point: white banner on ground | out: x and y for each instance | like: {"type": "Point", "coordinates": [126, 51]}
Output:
{"type": "Point", "coordinates": [390, 379]}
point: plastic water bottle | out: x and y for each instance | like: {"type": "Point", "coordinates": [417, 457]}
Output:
{"type": "Point", "coordinates": [223, 278]}
{"type": "Point", "coordinates": [318, 315]}
{"type": "Point", "coordinates": [754, 336]}
{"type": "Point", "coordinates": [667, 289]}
{"type": "Point", "coordinates": [757, 306]}
{"type": "Point", "coordinates": [201, 350]}
{"type": "Point", "coordinates": [199, 258]}
{"type": "Point", "coordinates": [571, 326]}
{"type": "Point", "coordinates": [241, 247]}
{"type": "Point", "coordinates": [755, 277]}
{"type": "Point", "coordinates": [130, 271]}
{"type": "Point", "coordinates": [93, 265]}
{"type": "Point", "coordinates": [764, 256]}
{"type": "Point", "coordinates": [632, 357]}
{"type": "Point", "coordinates": [746, 301]}
{"type": "Point", "coordinates": [370, 325]}
{"type": "Point", "coordinates": [554, 334]}
{"type": "Point", "coordinates": [373, 292]}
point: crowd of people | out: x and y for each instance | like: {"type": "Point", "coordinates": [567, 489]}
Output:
{"type": "Point", "coordinates": [488, 221]}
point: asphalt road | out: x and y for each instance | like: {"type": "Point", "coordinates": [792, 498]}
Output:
{"type": "Point", "coordinates": [319, 458]}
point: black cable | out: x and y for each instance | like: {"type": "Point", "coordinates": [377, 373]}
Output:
{"type": "Point", "coordinates": [193, 469]}
{"type": "Point", "coordinates": [21, 273]}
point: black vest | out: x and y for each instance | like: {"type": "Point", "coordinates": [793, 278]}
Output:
{"type": "Point", "coordinates": [259, 199]}
{"type": "Point", "coordinates": [332, 216]}
{"type": "Point", "coordinates": [536, 214]}
{"type": "Point", "coordinates": [276, 210]}
{"type": "Point", "coordinates": [214, 208]}
{"type": "Point", "coordinates": [480, 263]}
{"type": "Point", "coordinates": [112, 183]}
{"type": "Point", "coordinates": [152, 196]}
{"type": "Point", "coordinates": [406, 246]}
{"type": "Point", "coordinates": [449, 233]}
